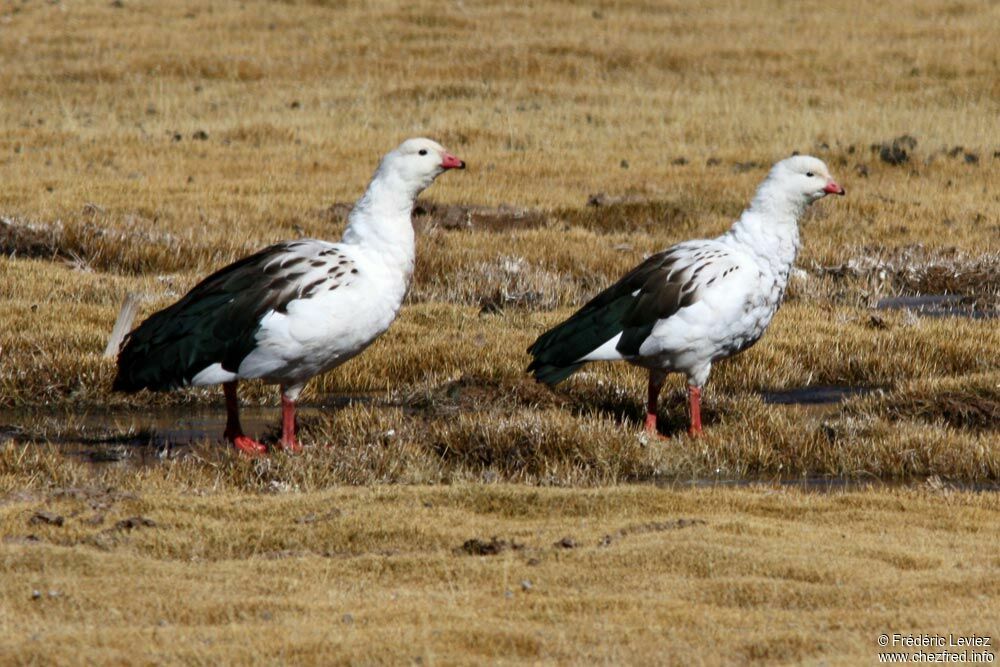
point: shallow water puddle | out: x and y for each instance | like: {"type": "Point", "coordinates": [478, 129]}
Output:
{"type": "Point", "coordinates": [146, 435]}
{"type": "Point", "coordinates": [819, 395]}
{"type": "Point", "coordinates": [816, 402]}
{"type": "Point", "coordinates": [937, 305]}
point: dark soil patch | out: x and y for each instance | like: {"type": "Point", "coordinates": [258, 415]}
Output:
{"type": "Point", "coordinates": [897, 151]}
{"type": "Point", "coordinates": [88, 244]}
{"type": "Point", "coordinates": [624, 214]}
{"type": "Point", "coordinates": [493, 547]}
{"type": "Point", "coordinates": [938, 282]}
{"type": "Point", "coordinates": [48, 518]}
{"type": "Point", "coordinates": [977, 411]}
{"type": "Point", "coordinates": [455, 217]}
{"type": "Point", "coordinates": [18, 239]}
{"type": "Point", "coordinates": [134, 522]}
{"type": "Point", "coordinates": [475, 218]}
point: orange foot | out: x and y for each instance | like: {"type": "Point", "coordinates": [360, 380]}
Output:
{"type": "Point", "coordinates": [248, 445]}
{"type": "Point", "coordinates": [651, 430]}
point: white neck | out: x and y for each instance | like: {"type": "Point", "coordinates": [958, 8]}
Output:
{"type": "Point", "coordinates": [769, 228]}
{"type": "Point", "coordinates": [380, 221]}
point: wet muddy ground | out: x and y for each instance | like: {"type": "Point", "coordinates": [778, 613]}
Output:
{"type": "Point", "coordinates": [153, 436]}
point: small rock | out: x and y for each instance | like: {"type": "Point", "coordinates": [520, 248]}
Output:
{"type": "Point", "coordinates": [623, 164]}
{"type": "Point", "coordinates": [50, 518]}
{"type": "Point", "coordinates": [565, 543]}
{"type": "Point", "coordinates": [200, 135]}
{"type": "Point", "coordinates": [177, 136]}
{"type": "Point", "coordinates": [680, 162]}
{"type": "Point", "coordinates": [971, 158]}
{"type": "Point", "coordinates": [295, 105]}
{"type": "Point", "coordinates": [36, 595]}
{"type": "Point", "coordinates": [597, 199]}
{"type": "Point", "coordinates": [526, 585]}
{"type": "Point", "coordinates": [348, 619]}
{"type": "Point", "coordinates": [134, 522]}
{"type": "Point", "coordinates": [893, 155]}
{"type": "Point", "coordinates": [876, 322]}
{"type": "Point", "coordinates": [533, 562]}
{"type": "Point", "coordinates": [477, 547]}
{"type": "Point", "coordinates": [713, 161]}
{"type": "Point", "coordinates": [897, 152]}
{"type": "Point", "coordinates": [508, 594]}
{"type": "Point", "coordinates": [741, 167]}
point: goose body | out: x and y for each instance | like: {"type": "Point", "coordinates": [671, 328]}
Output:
{"type": "Point", "coordinates": [294, 309]}
{"type": "Point", "coordinates": [698, 302]}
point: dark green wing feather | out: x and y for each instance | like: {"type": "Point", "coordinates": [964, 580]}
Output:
{"type": "Point", "coordinates": [217, 321]}
{"type": "Point", "coordinates": [652, 291]}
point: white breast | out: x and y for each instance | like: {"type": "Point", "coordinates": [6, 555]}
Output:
{"type": "Point", "coordinates": [321, 331]}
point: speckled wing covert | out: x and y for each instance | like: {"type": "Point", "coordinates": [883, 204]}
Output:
{"type": "Point", "coordinates": [653, 291]}
{"type": "Point", "coordinates": [217, 321]}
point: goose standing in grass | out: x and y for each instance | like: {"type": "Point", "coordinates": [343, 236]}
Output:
{"type": "Point", "coordinates": [697, 302]}
{"type": "Point", "coordinates": [295, 309]}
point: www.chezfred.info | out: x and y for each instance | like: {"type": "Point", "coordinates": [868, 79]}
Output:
{"type": "Point", "coordinates": [927, 648]}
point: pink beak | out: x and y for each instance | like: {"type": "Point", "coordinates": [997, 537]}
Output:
{"type": "Point", "coordinates": [449, 161]}
{"type": "Point", "coordinates": [834, 189]}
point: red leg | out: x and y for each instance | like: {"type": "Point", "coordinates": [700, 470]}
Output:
{"type": "Point", "coordinates": [288, 441]}
{"type": "Point", "coordinates": [234, 432]}
{"type": "Point", "coordinates": [655, 384]}
{"type": "Point", "coordinates": [694, 398]}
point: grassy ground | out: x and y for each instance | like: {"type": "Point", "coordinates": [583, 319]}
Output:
{"type": "Point", "coordinates": [142, 145]}
{"type": "Point", "coordinates": [460, 574]}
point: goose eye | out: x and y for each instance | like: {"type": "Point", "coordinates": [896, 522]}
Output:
{"type": "Point", "coordinates": [423, 151]}
{"type": "Point", "coordinates": [810, 174]}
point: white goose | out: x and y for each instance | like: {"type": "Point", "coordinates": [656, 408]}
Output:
{"type": "Point", "coordinates": [295, 309]}
{"type": "Point", "coordinates": [698, 302]}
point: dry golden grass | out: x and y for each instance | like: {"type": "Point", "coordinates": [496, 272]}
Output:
{"type": "Point", "coordinates": [142, 145]}
{"type": "Point", "coordinates": [634, 575]}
